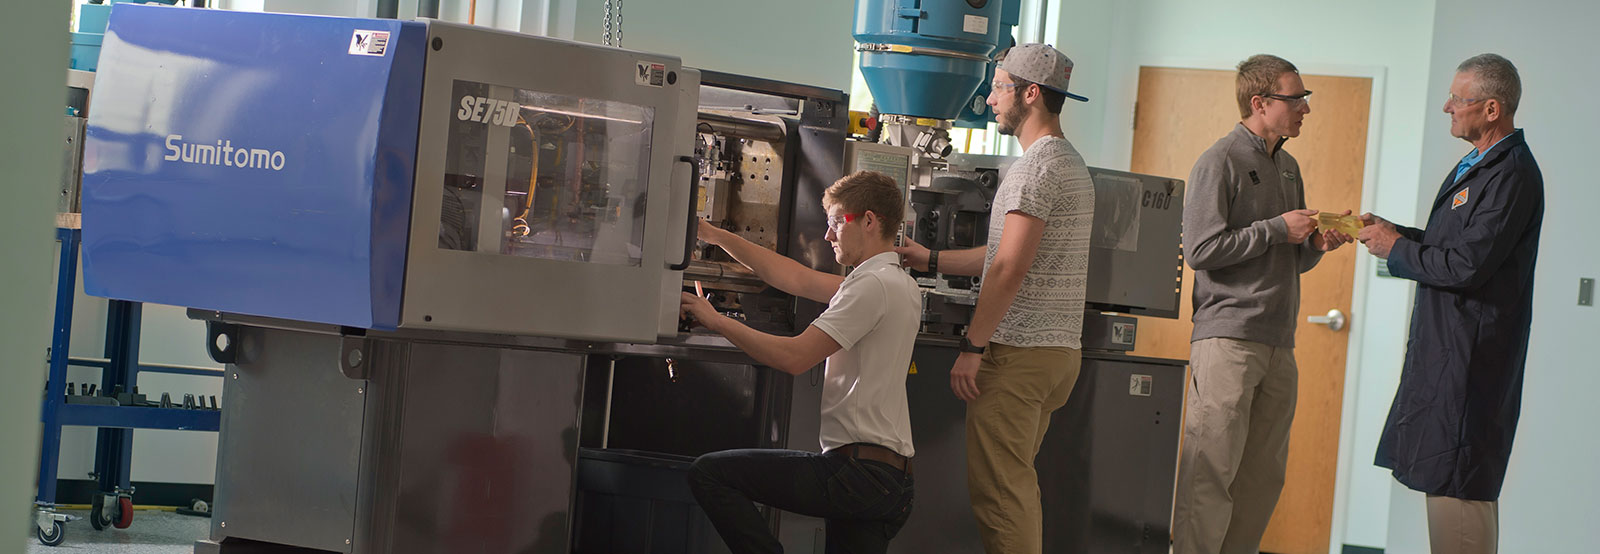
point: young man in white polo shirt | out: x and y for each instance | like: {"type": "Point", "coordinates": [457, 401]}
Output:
{"type": "Point", "coordinates": [861, 482]}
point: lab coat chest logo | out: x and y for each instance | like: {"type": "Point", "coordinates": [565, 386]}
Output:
{"type": "Point", "coordinates": [1460, 198]}
{"type": "Point", "coordinates": [1288, 175]}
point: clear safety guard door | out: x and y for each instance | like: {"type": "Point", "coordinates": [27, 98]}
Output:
{"type": "Point", "coordinates": [552, 192]}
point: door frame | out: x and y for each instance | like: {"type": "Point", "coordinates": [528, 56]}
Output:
{"type": "Point", "coordinates": [1121, 98]}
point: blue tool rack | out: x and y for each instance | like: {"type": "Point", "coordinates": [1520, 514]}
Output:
{"type": "Point", "coordinates": [120, 367]}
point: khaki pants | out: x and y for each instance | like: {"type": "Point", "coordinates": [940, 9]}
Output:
{"type": "Point", "coordinates": [1457, 526]}
{"type": "Point", "coordinates": [1018, 390]}
{"type": "Point", "coordinates": [1235, 445]}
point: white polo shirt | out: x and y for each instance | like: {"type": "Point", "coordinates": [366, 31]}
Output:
{"type": "Point", "coordinates": [874, 317]}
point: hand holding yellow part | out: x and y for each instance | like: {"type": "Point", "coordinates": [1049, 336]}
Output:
{"type": "Point", "coordinates": [1350, 225]}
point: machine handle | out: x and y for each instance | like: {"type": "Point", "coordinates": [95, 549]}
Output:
{"type": "Point", "coordinates": [1335, 319]}
{"type": "Point", "coordinates": [692, 233]}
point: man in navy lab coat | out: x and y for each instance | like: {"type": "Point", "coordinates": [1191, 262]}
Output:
{"type": "Point", "coordinates": [1450, 429]}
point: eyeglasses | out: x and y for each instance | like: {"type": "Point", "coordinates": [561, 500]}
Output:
{"type": "Point", "coordinates": [1002, 86]}
{"type": "Point", "coordinates": [837, 221]}
{"type": "Point", "coordinates": [1458, 101]}
{"type": "Point", "coordinates": [1295, 101]}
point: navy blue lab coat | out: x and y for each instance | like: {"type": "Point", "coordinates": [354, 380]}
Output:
{"type": "Point", "coordinates": [1450, 428]}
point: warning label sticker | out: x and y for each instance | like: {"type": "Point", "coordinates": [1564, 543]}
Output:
{"type": "Point", "coordinates": [650, 74]}
{"type": "Point", "coordinates": [975, 24]}
{"type": "Point", "coordinates": [369, 43]}
{"type": "Point", "coordinates": [1140, 385]}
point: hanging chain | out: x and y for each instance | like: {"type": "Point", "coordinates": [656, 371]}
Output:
{"type": "Point", "coordinates": [619, 23]}
{"type": "Point", "coordinates": [611, 34]}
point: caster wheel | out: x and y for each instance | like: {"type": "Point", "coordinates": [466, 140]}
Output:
{"type": "Point", "coordinates": [53, 536]}
{"type": "Point", "coordinates": [124, 512]}
{"type": "Point", "coordinates": [99, 516]}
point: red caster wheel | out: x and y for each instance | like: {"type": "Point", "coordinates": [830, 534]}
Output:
{"type": "Point", "coordinates": [124, 512]}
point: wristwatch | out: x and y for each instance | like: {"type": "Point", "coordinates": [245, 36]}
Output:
{"type": "Point", "coordinates": [967, 346]}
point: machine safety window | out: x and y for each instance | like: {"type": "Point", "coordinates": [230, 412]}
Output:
{"type": "Point", "coordinates": [543, 175]}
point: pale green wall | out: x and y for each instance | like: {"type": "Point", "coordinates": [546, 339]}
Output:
{"type": "Point", "coordinates": [801, 42]}
{"type": "Point", "coordinates": [30, 163]}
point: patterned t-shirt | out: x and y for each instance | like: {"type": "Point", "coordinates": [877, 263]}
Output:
{"type": "Point", "coordinates": [1052, 183]}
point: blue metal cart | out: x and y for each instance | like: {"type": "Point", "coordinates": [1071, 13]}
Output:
{"type": "Point", "coordinates": [112, 505]}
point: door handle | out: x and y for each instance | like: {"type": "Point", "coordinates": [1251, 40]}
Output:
{"type": "Point", "coordinates": [1335, 319]}
{"type": "Point", "coordinates": [692, 233]}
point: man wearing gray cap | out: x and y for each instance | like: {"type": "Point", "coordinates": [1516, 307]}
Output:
{"type": "Point", "coordinates": [1021, 354]}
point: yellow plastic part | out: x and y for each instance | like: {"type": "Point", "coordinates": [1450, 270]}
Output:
{"type": "Point", "coordinates": [1347, 224]}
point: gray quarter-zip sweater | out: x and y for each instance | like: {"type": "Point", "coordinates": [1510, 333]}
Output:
{"type": "Point", "coordinates": [1247, 274]}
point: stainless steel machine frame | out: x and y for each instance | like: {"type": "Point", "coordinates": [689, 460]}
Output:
{"type": "Point", "coordinates": [436, 441]}
{"type": "Point", "coordinates": [392, 443]}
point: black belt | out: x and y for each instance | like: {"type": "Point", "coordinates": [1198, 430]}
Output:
{"type": "Point", "coordinates": [873, 452]}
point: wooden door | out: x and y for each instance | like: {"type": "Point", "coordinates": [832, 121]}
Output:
{"type": "Point", "coordinates": [1180, 113]}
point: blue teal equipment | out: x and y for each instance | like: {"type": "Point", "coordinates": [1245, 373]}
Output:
{"type": "Point", "coordinates": [927, 58]}
{"type": "Point", "coordinates": [92, 19]}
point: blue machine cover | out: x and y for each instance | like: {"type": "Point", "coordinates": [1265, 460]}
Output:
{"type": "Point", "coordinates": [253, 163]}
{"type": "Point", "coordinates": [925, 85]}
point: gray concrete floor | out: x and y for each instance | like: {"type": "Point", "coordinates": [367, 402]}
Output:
{"type": "Point", "coordinates": [152, 532]}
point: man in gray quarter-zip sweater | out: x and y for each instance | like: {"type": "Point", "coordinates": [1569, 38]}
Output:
{"type": "Point", "coordinates": [1248, 237]}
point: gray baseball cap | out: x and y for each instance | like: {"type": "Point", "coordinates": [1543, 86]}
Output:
{"type": "Point", "coordinates": [1042, 64]}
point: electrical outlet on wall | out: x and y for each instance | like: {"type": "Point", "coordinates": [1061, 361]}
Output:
{"type": "Point", "coordinates": [1383, 268]}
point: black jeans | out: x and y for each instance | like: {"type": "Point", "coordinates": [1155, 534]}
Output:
{"type": "Point", "coordinates": [864, 502]}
